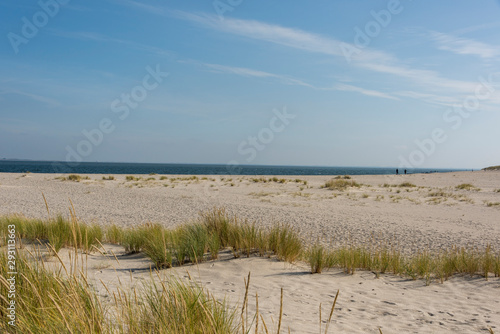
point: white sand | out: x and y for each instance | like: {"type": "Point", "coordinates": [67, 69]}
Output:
{"type": "Point", "coordinates": [460, 217]}
{"type": "Point", "coordinates": [407, 217]}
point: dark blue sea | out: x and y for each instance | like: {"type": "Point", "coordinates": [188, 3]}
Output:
{"type": "Point", "coordinates": [11, 166]}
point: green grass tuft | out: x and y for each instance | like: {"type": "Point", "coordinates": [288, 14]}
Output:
{"type": "Point", "coordinates": [407, 185]}
{"type": "Point", "coordinates": [467, 186]}
{"type": "Point", "coordinates": [340, 184]}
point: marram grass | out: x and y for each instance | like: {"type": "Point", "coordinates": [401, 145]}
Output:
{"type": "Point", "coordinates": [215, 230]}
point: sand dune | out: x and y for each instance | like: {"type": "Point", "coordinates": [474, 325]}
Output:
{"type": "Point", "coordinates": [432, 215]}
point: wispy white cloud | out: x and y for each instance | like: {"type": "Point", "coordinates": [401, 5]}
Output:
{"type": "Point", "coordinates": [369, 92]}
{"type": "Point", "coordinates": [443, 100]}
{"type": "Point", "coordinates": [368, 58]}
{"type": "Point", "coordinates": [464, 46]}
{"type": "Point", "coordinates": [292, 81]}
{"type": "Point", "coordinates": [247, 72]}
{"type": "Point", "coordinates": [479, 27]}
{"type": "Point", "coordinates": [425, 78]}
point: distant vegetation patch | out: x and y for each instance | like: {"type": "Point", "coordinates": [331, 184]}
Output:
{"type": "Point", "coordinates": [492, 168]}
{"type": "Point", "coordinates": [73, 177]}
{"type": "Point", "coordinates": [467, 186]}
{"type": "Point", "coordinates": [407, 185]}
{"type": "Point", "coordinates": [340, 184]}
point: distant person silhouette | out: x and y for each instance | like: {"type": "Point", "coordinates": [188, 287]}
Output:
{"type": "Point", "coordinates": [397, 171]}
{"type": "Point", "coordinates": [405, 171]}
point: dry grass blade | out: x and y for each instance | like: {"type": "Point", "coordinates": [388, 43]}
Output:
{"type": "Point", "coordinates": [62, 313]}
{"type": "Point", "coordinates": [46, 205]}
{"type": "Point", "coordinates": [256, 312]}
{"type": "Point", "coordinates": [245, 301]}
{"type": "Point", "coordinates": [58, 258]}
{"type": "Point", "coordinates": [331, 312]}
{"type": "Point", "coordinates": [281, 312]}
{"type": "Point", "coordinates": [320, 319]}
{"type": "Point", "coordinates": [264, 323]}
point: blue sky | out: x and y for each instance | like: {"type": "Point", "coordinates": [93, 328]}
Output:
{"type": "Point", "coordinates": [364, 83]}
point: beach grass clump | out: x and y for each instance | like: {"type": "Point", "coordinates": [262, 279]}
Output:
{"type": "Point", "coordinates": [76, 178]}
{"type": "Point", "coordinates": [216, 229]}
{"type": "Point", "coordinates": [190, 178]}
{"type": "Point", "coordinates": [259, 180]}
{"type": "Point", "coordinates": [214, 246]}
{"type": "Point", "coordinates": [340, 184]}
{"type": "Point", "coordinates": [467, 186]}
{"type": "Point", "coordinates": [133, 239]}
{"type": "Point", "coordinates": [316, 256]}
{"type": "Point", "coordinates": [108, 178]}
{"type": "Point", "coordinates": [113, 234]}
{"type": "Point", "coordinates": [63, 302]}
{"type": "Point", "coordinates": [26, 228]}
{"type": "Point", "coordinates": [285, 243]}
{"type": "Point", "coordinates": [132, 178]}
{"type": "Point", "coordinates": [48, 302]}
{"type": "Point", "coordinates": [248, 237]}
{"type": "Point", "coordinates": [217, 221]}
{"type": "Point", "coordinates": [235, 239]}
{"type": "Point", "coordinates": [422, 265]}
{"type": "Point", "coordinates": [85, 236]}
{"type": "Point", "coordinates": [157, 245]}
{"type": "Point", "coordinates": [59, 232]}
{"type": "Point", "coordinates": [173, 306]}
{"type": "Point", "coordinates": [194, 239]}
{"type": "Point", "coordinates": [342, 177]}
{"type": "Point", "coordinates": [406, 185]}
{"type": "Point", "coordinates": [492, 204]}
{"type": "Point", "coordinates": [439, 193]}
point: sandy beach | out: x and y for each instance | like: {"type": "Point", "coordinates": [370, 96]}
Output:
{"type": "Point", "coordinates": [431, 215]}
